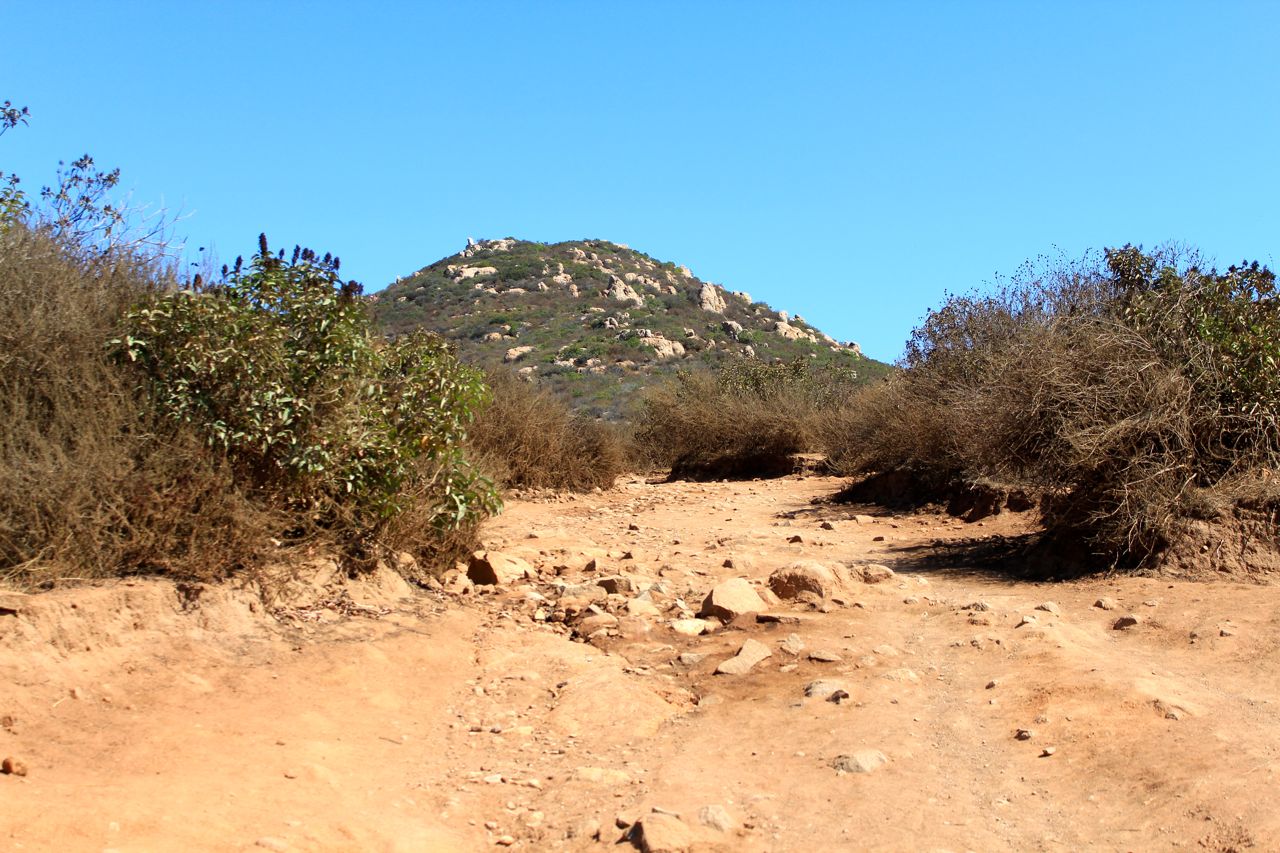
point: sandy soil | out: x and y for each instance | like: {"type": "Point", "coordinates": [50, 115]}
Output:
{"type": "Point", "coordinates": [152, 718]}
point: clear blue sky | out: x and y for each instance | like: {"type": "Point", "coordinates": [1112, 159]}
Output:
{"type": "Point", "coordinates": [847, 161]}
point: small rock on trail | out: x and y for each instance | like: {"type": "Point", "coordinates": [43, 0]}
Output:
{"type": "Point", "coordinates": [862, 761]}
{"type": "Point", "coordinates": [751, 653]}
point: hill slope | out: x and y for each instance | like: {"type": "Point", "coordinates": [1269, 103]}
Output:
{"type": "Point", "coordinates": [596, 320]}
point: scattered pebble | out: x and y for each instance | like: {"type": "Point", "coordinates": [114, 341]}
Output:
{"type": "Point", "coordinates": [13, 767]}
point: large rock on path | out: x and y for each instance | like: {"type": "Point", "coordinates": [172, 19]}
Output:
{"type": "Point", "coordinates": [804, 576]}
{"type": "Point", "coordinates": [729, 600]}
{"type": "Point", "coordinates": [494, 567]}
{"type": "Point", "coordinates": [661, 833]}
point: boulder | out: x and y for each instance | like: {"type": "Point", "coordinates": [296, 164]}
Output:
{"type": "Point", "coordinates": [803, 576]}
{"type": "Point", "coordinates": [516, 353]}
{"type": "Point", "coordinates": [711, 299]}
{"type": "Point", "coordinates": [663, 348]}
{"type": "Point", "coordinates": [729, 600]}
{"type": "Point", "coordinates": [623, 292]}
{"type": "Point", "coordinates": [876, 573]}
{"type": "Point", "coordinates": [661, 833]}
{"type": "Point", "coordinates": [494, 567]}
{"type": "Point", "coordinates": [616, 585]}
{"type": "Point", "coordinates": [690, 627]}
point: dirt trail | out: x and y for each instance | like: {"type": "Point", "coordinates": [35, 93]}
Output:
{"type": "Point", "coordinates": [479, 718]}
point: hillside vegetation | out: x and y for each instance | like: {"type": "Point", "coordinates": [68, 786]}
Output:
{"type": "Point", "coordinates": [597, 321]}
{"type": "Point", "coordinates": [1136, 393]}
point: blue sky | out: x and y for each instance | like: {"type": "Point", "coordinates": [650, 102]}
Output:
{"type": "Point", "coordinates": [848, 161]}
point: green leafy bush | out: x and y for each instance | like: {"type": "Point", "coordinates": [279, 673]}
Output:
{"type": "Point", "coordinates": [275, 367]}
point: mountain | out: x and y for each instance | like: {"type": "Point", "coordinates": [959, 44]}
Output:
{"type": "Point", "coordinates": [596, 320]}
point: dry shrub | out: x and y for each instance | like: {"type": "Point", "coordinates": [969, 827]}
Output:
{"type": "Point", "coordinates": [90, 486]}
{"type": "Point", "coordinates": [97, 479]}
{"type": "Point", "coordinates": [1118, 389]}
{"type": "Point", "coordinates": [529, 438]}
{"type": "Point", "coordinates": [749, 419]}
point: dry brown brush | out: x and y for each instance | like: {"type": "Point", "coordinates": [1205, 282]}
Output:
{"type": "Point", "coordinates": [748, 419]}
{"type": "Point", "coordinates": [90, 483]}
{"type": "Point", "coordinates": [1135, 391]}
{"type": "Point", "coordinates": [527, 437]}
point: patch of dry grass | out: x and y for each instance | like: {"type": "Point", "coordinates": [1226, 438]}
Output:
{"type": "Point", "coordinates": [526, 437]}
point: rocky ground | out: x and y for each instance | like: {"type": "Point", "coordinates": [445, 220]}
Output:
{"type": "Point", "coordinates": [721, 666]}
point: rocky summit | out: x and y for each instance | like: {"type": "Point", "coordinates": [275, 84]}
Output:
{"type": "Point", "coordinates": [596, 320]}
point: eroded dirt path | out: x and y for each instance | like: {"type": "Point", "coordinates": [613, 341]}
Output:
{"type": "Point", "coordinates": [547, 714]}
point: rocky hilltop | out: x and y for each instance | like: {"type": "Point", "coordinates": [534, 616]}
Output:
{"type": "Point", "coordinates": [594, 319]}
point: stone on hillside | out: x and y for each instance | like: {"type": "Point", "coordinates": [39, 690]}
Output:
{"type": "Point", "coordinates": [661, 833]}
{"type": "Point", "coordinates": [516, 353]}
{"type": "Point", "coordinates": [464, 273]}
{"type": "Point", "coordinates": [803, 576]}
{"type": "Point", "coordinates": [751, 653]}
{"type": "Point", "coordinates": [710, 299]}
{"type": "Point", "coordinates": [792, 333]}
{"type": "Point", "coordinates": [862, 761]}
{"type": "Point", "coordinates": [663, 348]}
{"type": "Point", "coordinates": [730, 599]}
{"type": "Point", "coordinates": [876, 573]}
{"type": "Point", "coordinates": [623, 292]}
{"type": "Point", "coordinates": [494, 567]}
